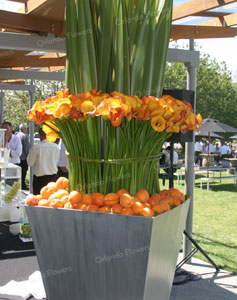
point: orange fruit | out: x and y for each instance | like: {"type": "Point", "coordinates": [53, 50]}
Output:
{"type": "Point", "coordinates": [52, 185]}
{"type": "Point", "coordinates": [44, 202]}
{"type": "Point", "coordinates": [68, 205]}
{"type": "Point", "coordinates": [163, 193]}
{"type": "Point", "coordinates": [32, 200]}
{"type": "Point", "coordinates": [56, 203]}
{"type": "Point", "coordinates": [92, 207]}
{"type": "Point", "coordinates": [158, 209]}
{"type": "Point", "coordinates": [60, 193]}
{"type": "Point", "coordinates": [62, 183]}
{"type": "Point", "coordinates": [176, 201]}
{"type": "Point", "coordinates": [147, 212]}
{"type": "Point", "coordinates": [53, 196]}
{"type": "Point", "coordinates": [46, 191]}
{"type": "Point", "coordinates": [98, 199]}
{"type": "Point", "coordinates": [165, 205]}
{"type": "Point", "coordinates": [111, 199]}
{"type": "Point", "coordinates": [147, 205]}
{"type": "Point", "coordinates": [127, 200]}
{"type": "Point", "coordinates": [169, 200]}
{"type": "Point", "coordinates": [116, 208]}
{"type": "Point", "coordinates": [87, 199]}
{"type": "Point", "coordinates": [127, 211]}
{"type": "Point", "coordinates": [81, 206]}
{"type": "Point", "coordinates": [138, 207]}
{"type": "Point", "coordinates": [75, 197]}
{"type": "Point", "coordinates": [121, 192]}
{"type": "Point", "coordinates": [142, 196]}
{"type": "Point", "coordinates": [105, 209]}
{"type": "Point", "coordinates": [174, 193]}
{"type": "Point", "coordinates": [182, 198]}
{"type": "Point", "coordinates": [154, 200]}
{"type": "Point", "coordinates": [64, 199]}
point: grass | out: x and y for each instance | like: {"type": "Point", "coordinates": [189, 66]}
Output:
{"type": "Point", "coordinates": [215, 221]}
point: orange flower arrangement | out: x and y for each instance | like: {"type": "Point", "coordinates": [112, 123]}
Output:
{"type": "Point", "coordinates": [166, 113]}
{"type": "Point", "coordinates": [113, 140]}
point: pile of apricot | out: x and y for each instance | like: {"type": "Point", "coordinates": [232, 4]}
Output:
{"type": "Point", "coordinates": [55, 194]}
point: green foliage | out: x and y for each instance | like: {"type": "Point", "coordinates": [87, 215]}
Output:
{"type": "Point", "coordinates": [216, 94]}
{"type": "Point", "coordinates": [117, 45]}
{"type": "Point", "coordinates": [175, 76]}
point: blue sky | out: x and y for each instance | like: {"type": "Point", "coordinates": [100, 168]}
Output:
{"type": "Point", "coordinates": [220, 49]}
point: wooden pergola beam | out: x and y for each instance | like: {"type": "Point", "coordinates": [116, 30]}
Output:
{"type": "Point", "coordinates": [33, 4]}
{"type": "Point", "coordinates": [229, 20]}
{"type": "Point", "coordinates": [24, 22]}
{"type": "Point", "coordinates": [19, 1]}
{"type": "Point", "coordinates": [196, 6]}
{"type": "Point", "coordinates": [213, 14]}
{"type": "Point", "coordinates": [33, 62]}
{"type": "Point", "coordinates": [201, 32]}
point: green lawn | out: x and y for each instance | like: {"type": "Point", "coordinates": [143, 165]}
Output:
{"type": "Point", "coordinates": [215, 221]}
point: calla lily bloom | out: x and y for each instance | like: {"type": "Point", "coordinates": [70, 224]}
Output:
{"type": "Point", "coordinates": [51, 131]}
{"type": "Point", "coordinates": [199, 120]}
{"type": "Point", "coordinates": [158, 123]}
{"type": "Point", "coordinates": [167, 113]}
{"type": "Point", "coordinates": [88, 107]}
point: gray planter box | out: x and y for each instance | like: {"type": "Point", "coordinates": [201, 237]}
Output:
{"type": "Point", "coordinates": [96, 256]}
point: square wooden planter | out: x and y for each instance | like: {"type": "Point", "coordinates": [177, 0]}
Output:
{"type": "Point", "coordinates": [97, 256]}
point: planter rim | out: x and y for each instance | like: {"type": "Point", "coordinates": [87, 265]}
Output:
{"type": "Point", "coordinates": [110, 214]}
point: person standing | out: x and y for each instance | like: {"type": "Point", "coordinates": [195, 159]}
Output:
{"type": "Point", "coordinates": [43, 156]}
{"type": "Point", "coordinates": [198, 151]}
{"type": "Point", "coordinates": [62, 162]}
{"type": "Point", "coordinates": [12, 143]}
{"type": "Point", "coordinates": [25, 150]}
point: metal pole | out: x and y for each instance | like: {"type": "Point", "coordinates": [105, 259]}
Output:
{"type": "Point", "coordinates": [31, 132]}
{"type": "Point", "coordinates": [189, 163]}
{"type": "Point", "coordinates": [1, 106]}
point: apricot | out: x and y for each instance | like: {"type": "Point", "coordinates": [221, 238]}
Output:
{"type": "Point", "coordinates": [111, 199]}
{"type": "Point", "coordinates": [138, 207]}
{"type": "Point", "coordinates": [142, 196]}
{"type": "Point", "coordinates": [98, 199]}
{"type": "Point", "coordinates": [87, 199]}
{"type": "Point", "coordinates": [75, 197]}
{"type": "Point", "coordinates": [121, 192]}
{"type": "Point", "coordinates": [116, 208]}
{"type": "Point", "coordinates": [62, 183]}
{"type": "Point", "coordinates": [154, 199]}
{"type": "Point", "coordinates": [127, 200]}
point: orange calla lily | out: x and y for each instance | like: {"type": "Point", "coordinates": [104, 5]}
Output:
{"type": "Point", "coordinates": [199, 120]}
{"type": "Point", "coordinates": [50, 132]}
{"type": "Point", "coordinates": [88, 107]}
{"type": "Point", "coordinates": [158, 123]}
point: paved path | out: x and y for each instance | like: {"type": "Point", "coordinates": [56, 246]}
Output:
{"type": "Point", "coordinates": [207, 285]}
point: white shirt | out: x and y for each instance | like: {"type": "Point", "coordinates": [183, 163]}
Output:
{"type": "Point", "coordinates": [62, 162]}
{"type": "Point", "coordinates": [15, 147]}
{"type": "Point", "coordinates": [212, 148]}
{"type": "Point", "coordinates": [224, 150]}
{"type": "Point", "coordinates": [175, 158]}
{"type": "Point", "coordinates": [43, 156]}
{"type": "Point", "coordinates": [198, 147]}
